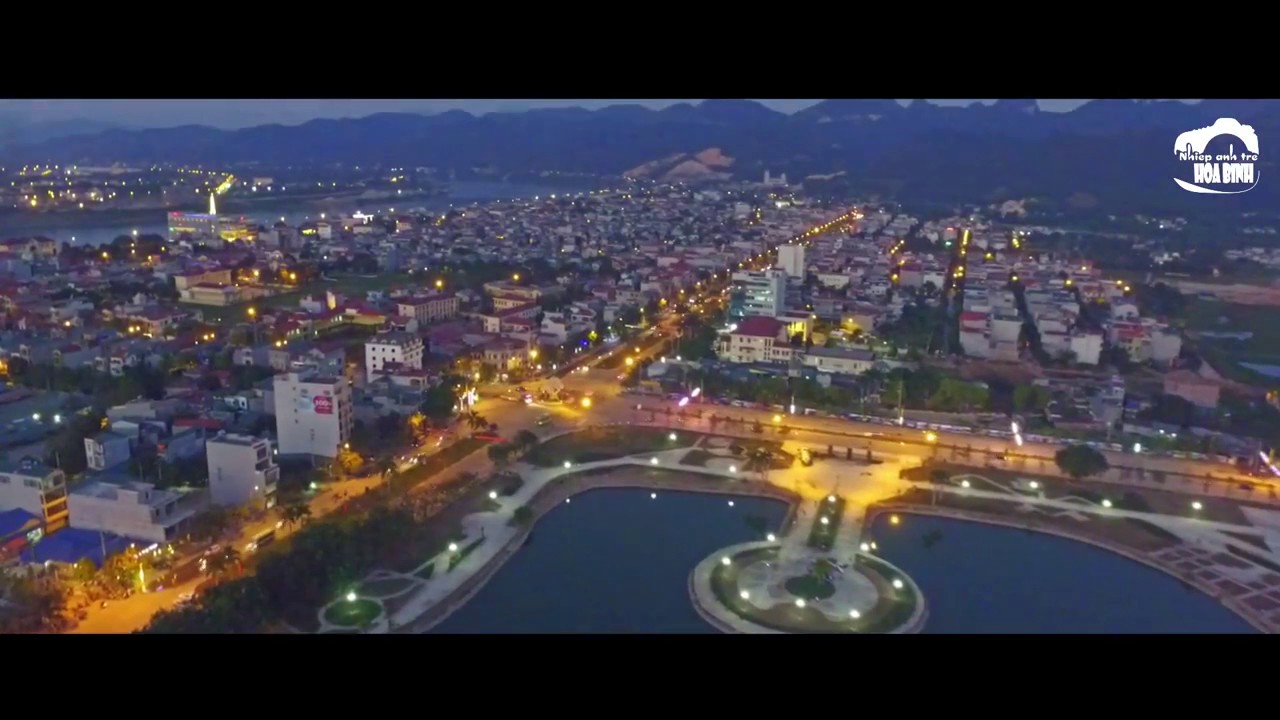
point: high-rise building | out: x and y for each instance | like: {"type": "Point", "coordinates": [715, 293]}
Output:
{"type": "Point", "coordinates": [313, 414]}
{"type": "Point", "coordinates": [759, 293]}
{"type": "Point", "coordinates": [791, 259]}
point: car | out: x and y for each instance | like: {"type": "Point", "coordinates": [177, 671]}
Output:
{"type": "Point", "coordinates": [543, 420]}
{"type": "Point", "coordinates": [186, 597]}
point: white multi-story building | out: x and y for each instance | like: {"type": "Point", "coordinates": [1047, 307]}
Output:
{"type": "Point", "coordinates": [35, 487]}
{"type": "Point", "coordinates": [123, 506]}
{"type": "Point", "coordinates": [401, 348]}
{"type": "Point", "coordinates": [756, 340]}
{"type": "Point", "coordinates": [764, 293]}
{"type": "Point", "coordinates": [791, 260]}
{"type": "Point", "coordinates": [313, 413]}
{"type": "Point", "coordinates": [241, 471]}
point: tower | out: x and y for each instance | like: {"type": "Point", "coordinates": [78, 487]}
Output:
{"type": "Point", "coordinates": [213, 203]}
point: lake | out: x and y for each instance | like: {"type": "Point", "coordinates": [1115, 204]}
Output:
{"type": "Point", "coordinates": [612, 561]}
{"type": "Point", "coordinates": [79, 230]}
{"type": "Point", "coordinates": [616, 561]}
{"type": "Point", "coordinates": [988, 579]}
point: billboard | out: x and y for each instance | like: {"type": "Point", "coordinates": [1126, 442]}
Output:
{"type": "Point", "coordinates": [323, 404]}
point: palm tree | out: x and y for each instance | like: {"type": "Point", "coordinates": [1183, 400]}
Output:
{"type": "Point", "coordinates": [475, 421]}
{"type": "Point", "coordinates": [759, 459]}
{"type": "Point", "coordinates": [222, 562]}
{"type": "Point", "coordinates": [294, 513]}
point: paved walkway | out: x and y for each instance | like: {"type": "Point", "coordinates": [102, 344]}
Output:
{"type": "Point", "coordinates": [492, 537]}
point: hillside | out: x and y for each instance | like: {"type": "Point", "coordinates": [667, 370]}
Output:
{"type": "Point", "coordinates": [1115, 150]}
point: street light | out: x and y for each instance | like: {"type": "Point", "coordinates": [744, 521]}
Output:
{"type": "Point", "coordinates": [453, 547]}
{"type": "Point", "coordinates": [726, 561]}
{"type": "Point", "coordinates": [771, 537]}
{"type": "Point", "coordinates": [493, 494]}
{"type": "Point", "coordinates": [351, 596]}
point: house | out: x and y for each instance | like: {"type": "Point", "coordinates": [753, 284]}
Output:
{"type": "Point", "coordinates": [756, 339]}
{"type": "Point", "coordinates": [106, 450]}
{"type": "Point", "coordinates": [31, 485]}
{"type": "Point", "coordinates": [118, 504]}
{"type": "Point", "coordinates": [839, 361]}
{"type": "Point", "coordinates": [242, 471]}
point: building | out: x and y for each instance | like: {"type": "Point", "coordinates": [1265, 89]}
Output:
{"type": "Point", "coordinates": [241, 471]}
{"type": "Point", "coordinates": [838, 361]}
{"type": "Point", "coordinates": [120, 505]}
{"type": "Point", "coordinates": [761, 293]}
{"type": "Point", "coordinates": [313, 413]}
{"type": "Point", "coordinates": [191, 278]}
{"type": "Point", "coordinates": [791, 260]}
{"type": "Point", "coordinates": [756, 340]}
{"type": "Point", "coordinates": [398, 348]}
{"type": "Point", "coordinates": [195, 225]}
{"type": "Point", "coordinates": [106, 450]}
{"type": "Point", "coordinates": [428, 308]}
{"type": "Point", "coordinates": [30, 485]}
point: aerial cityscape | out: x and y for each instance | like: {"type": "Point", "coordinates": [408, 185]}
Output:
{"type": "Point", "coordinates": [660, 367]}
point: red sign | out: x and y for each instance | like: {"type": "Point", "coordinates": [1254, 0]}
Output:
{"type": "Point", "coordinates": [323, 405]}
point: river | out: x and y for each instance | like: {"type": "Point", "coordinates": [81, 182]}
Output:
{"type": "Point", "coordinates": [77, 229]}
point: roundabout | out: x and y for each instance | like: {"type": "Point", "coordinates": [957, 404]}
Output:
{"type": "Point", "coordinates": [764, 588]}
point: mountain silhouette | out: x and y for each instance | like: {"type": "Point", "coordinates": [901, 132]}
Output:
{"type": "Point", "coordinates": [1114, 150]}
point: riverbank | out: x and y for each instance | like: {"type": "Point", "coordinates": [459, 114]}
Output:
{"type": "Point", "coordinates": [559, 488]}
{"type": "Point", "coordinates": [1244, 612]}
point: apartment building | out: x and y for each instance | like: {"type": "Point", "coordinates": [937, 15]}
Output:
{"type": "Point", "coordinates": [120, 505]}
{"type": "Point", "coordinates": [313, 413]}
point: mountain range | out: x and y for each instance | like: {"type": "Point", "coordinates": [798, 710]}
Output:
{"type": "Point", "coordinates": [1117, 152]}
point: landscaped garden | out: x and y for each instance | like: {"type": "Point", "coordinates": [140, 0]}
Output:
{"type": "Point", "coordinates": [895, 605]}
{"type": "Point", "coordinates": [607, 443]}
{"type": "Point", "coordinates": [356, 613]}
{"type": "Point", "coordinates": [827, 523]}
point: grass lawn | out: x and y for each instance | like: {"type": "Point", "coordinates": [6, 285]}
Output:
{"type": "Point", "coordinates": [823, 535]}
{"type": "Point", "coordinates": [384, 587]}
{"type": "Point", "coordinates": [356, 614]}
{"type": "Point", "coordinates": [607, 443]}
{"type": "Point", "coordinates": [1224, 354]}
{"type": "Point", "coordinates": [464, 552]}
{"type": "Point", "coordinates": [810, 587]}
{"type": "Point", "coordinates": [697, 457]}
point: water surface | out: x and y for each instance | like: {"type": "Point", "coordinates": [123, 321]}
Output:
{"type": "Point", "coordinates": [613, 561]}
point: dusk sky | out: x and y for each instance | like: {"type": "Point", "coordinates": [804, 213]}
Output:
{"type": "Point", "coordinates": [241, 113]}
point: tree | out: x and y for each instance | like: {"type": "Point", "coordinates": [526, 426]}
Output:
{"type": "Point", "coordinates": [476, 421]}
{"type": "Point", "coordinates": [210, 524]}
{"type": "Point", "coordinates": [294, 513]}
{"type": "Point", "coordinates": [1031, 398]}
{"type": "Point", "coordinates": [84, 570]}
{"type": "Point", "coordinates": [759, 459]}
{"type": "Point", "coordinates": [350, 461]}
{"type": "Point", "coordinates": [222, 563]}
{"type": "Point", "coordinates": [499, 454]}
{"type": "Point", "coordinates": [1081, 461]}
{"type": "Point", "coordinates": [524, 440]}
